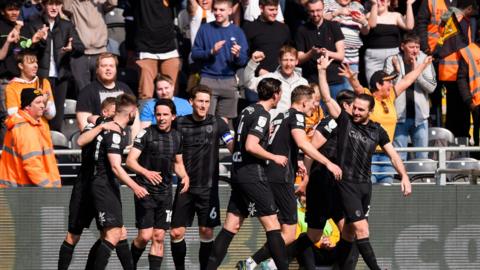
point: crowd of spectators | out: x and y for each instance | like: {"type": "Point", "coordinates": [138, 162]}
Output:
{"type": "Point", "coordinates": [381, 47]}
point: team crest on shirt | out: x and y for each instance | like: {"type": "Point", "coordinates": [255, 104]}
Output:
{"type": "Point", "coordinates": [262, 121]}
{"type": "Point", "coordinates": [209, 129]}
{"type": "Point", "coordinates": [300, 118]}
{"type": "Point", "coordinates": [116, 138]}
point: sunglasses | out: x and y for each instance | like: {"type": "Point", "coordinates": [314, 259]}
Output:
{"type": "Point", "coordinates": [385, 107]}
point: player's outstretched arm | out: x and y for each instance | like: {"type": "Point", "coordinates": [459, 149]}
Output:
{"type": "Point", "coordinates": [399, 167]}
{"type": "Point", "coordinates": [88, 136]}
{"type": "Point", "coordinates": [300, 137]}
{"type": "Point", "coordinates": [116, 162]}
{"type": "Point", "coordinates": [332, 105]}
{"type": "Point", "coordinates": [182, 173]}
{"type": "Point", "coordinates": [252, 145]}
{"type": "Point", "coordinates": [132, 163]}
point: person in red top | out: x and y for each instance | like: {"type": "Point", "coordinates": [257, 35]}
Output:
{"type": "Point", "coordinates": [28, 160]}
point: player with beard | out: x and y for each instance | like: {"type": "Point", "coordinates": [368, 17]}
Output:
{"type": "Point", "coordinates": [109, 148]}
{"type": "Point", "coordinates": [201, 133]}
{"type": "Point", "coordinates": [251, 194]}
{"type": "Point", "coordinates": [156, 154]}
{"type": "Point", "coordinates": [357, 139]}
{"type": "Point", "coordinates": [287, 138]}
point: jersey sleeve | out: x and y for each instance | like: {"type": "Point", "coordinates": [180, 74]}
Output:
{"type": "Point", "coordinates": [297, 121]}
{"type": "Point", "coordinates": [140, 139]}
{"type": "Point", "coordinates": [113, 142]}
{"type": "Point", "coordinates": [179, 138]}
{"type": "Point", "coordinates": [343, 119]}
{"type": "Point", "coordinates": [383, 137]}
{"type": "Point", "coordinates": [261, 125]}
{"type": "Point", "coordinates": [327, 127]}
{"type": "Point", "coordinates": [224, 131]}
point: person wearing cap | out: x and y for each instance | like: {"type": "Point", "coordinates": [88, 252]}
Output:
{"type": "Point", "coordinates": [384, 91]}
{"type": "Point", "coordinates": [412, 105]}
{"type": "Point", "coordinates": [28, 160]}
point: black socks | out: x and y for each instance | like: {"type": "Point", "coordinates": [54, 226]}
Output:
{"type": "Point", "coordinates": [65, 255]}
{"type": "Point", "coordinates": [155, 262]}
{"type": "Point", "coordinates": [179, 251]}
{"type": "Point", "coordinates": [277, 248]}
{"type": "Point", "coordinates": [136, 254]}
{"type": "Point", "coordinates": [124, 255]}
{"type": "Point", "coordinates": [204, 253]}
{"type": "Point", "coordinates": [104, 250]}
{"type": "Point", "coordinates": [368, 255]}
{"type": "Point", "coordinates": [219, 249]}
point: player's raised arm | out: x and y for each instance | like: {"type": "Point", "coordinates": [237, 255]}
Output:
{"type": "Point", "coordinates": [333, 108]}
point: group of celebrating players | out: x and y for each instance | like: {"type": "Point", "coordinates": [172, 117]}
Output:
{"type": "Point", "coordinates": [265, 157]}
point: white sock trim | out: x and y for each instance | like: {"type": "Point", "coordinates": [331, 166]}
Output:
{"type": "Point", "coordinates": [178, 240]}
{"type": "Point", "coordinates": [206, 240]}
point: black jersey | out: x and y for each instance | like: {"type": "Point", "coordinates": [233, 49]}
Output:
{"type": "Point", "coordinates": [159, 150]}
{"type": "Point", "coordinates": [254, 120]}
{"type": "Point", "coordinates": [108, 142]}
{"type": "Point", "coordinates": [328, 128]}
{"type": "Point", "coordinates": [356, 144]}
{"type": "Point", "coordinates": [281, 142]}
{"type": "Point", "coordinates": [200, 147]}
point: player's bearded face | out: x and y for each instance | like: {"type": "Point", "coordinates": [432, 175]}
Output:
{"type": "Point", "coordinates": [360, 111]}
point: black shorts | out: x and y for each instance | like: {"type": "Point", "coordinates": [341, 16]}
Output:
{"type": "Point", "coordinates": [252, 199]}
{"type": "Point", "coordinates": [108, 205]}
{"type": "Point", "coordinates": [323, 199]}
{"type": "Point", "coordinates": [202, 201]}
{"type": "Point", "coordinates": [286, 201]}
{"type": "Point", "coordinates": [355, 200]}
{"type": "Point", "coordinates": [154, 211]}
{"type": "Point", "coordinates": [81, 208]}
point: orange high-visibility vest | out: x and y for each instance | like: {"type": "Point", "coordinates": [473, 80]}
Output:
{"type": "Point", "coordinates": [471, 54]}
{"type": "Point", "coordinates": [448, 66]}
{"type": "Point", "coordinates": [436, 8]}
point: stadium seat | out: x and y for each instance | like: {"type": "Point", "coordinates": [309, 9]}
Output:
{"type": "Point", "coordinates": [59, 140]}
{"type": "Point", "coordinates": [73, 140]}
{"type": "Point", "coordinates": [69, 127]}
{"type": "Point", "coordinates": [462, 163]}
{"type": "Point", "coordinates": [440, 137]}
{"type": "Point", "coordinates": [421, 170]}
{"type": "Point", "coordinates": [70, 106]}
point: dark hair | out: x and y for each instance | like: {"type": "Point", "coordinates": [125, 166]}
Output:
{"type": "Point", "coordinates": [200, 89]}
{"type": "Point", "coordinates": [106, 55]}
{"type": "Point", "coordinates": [107, 102]}
{"type": "Point", "coordinates": [51, 2]}
{"type": "Point", "coordinates": [16, 4]}
{"type": "Point", "coordinates": [410, 37]}
{"type": "Point", "coordinates": [229, 2]}
{"type": "Point", "coordinates": [466, 3]}
{"type": "Point", "coordinates": [300, 92]}
{"type": "Point", "coordinates": [23, 54]}
{"type": "Point", "coordinates": [267, 87]}
{"type": "Point", "coordinates": [124, 100]}
{"type": "Point", "coordinates": [310, 2]}
{"type": "Point", "coordinates": [162, 77]}
{"type": "Point", "coordinates": [345, 96]}
{"type": "Point", "coordinates": [368, 98]}
{"type": "Point", "coordinates": [268, 2]}
{"type": "Point", "coordinates": [166, 102]}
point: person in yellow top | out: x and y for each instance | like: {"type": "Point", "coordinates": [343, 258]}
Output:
{"type": "Point", "coordinates": [27, 158]}
{"type": "Point", "coordinates": [384, 92]}
{"type": "Point", "coordinates": [27, 63]}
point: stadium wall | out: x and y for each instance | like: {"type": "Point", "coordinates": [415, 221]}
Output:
{"type": "Point", "coordinates": [435, 228]}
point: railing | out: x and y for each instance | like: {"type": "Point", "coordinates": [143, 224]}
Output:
{"type": "Point", "coordinates": [440, 173]}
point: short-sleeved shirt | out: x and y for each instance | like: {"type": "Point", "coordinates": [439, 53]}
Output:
{"type": "Point", "coordinates": [159, 150]}
{"type": "Point", "coordinates": [87, 167]}
{"type": "Point", "coordinates": [267, 37]}
{"type": "Point", "coordinates": [324, 36]}
{"type": "Point", "coordinates": [108, 142]}
{"type": "Point", "coordinates": [254, 120]}
{"type": "Point", "coordinates": [148, 111]}
{"type": "Point", "coordinates": [385, 113]}
{"type": "Point", "coordinates": [356, 144]}
{"type": "Point", "coordinates": [281, 142]}
{"type": "Point", "coordinates": [91, 96]}
{"type": "Point", "coordinates": [200, 148]}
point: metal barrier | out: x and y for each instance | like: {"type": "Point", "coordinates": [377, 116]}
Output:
{"type": "Point", "coordinates": [440, 173]}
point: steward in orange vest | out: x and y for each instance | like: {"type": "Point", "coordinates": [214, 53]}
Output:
{"type": "Point", "coordinates": [27, 157]}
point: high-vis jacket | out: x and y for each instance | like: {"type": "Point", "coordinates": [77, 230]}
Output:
{"type": "Point", "coordinates": [27, 156]}
{"type": "Point", "coordinates": [436, 8]}
{"type": "Point", "coordinates": [471, 54]}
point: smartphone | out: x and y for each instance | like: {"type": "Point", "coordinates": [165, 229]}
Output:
{"type": "Point", "coordinates": [355, 13]}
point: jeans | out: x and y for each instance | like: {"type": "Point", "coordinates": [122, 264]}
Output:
{"type": "Point", "coordinates": [336, 88]}
{"type": "Point", "coordinates": [418, 135]}
{"type": "Point", "coordinates": [381, 168]}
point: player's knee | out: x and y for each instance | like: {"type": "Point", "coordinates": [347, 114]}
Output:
{"type": "Point", "coordinates": [177, 233]}
{"type": "Point", "coordinates": [72, 239]}
{"type": "Point", "coordinates": [205, 233]}
{"type": "Point", "coordinates": [314, 235]}
{"type": "Point", "coordinates": [123, 234]}
{"type": "Point", "coordinates": [158, 235]}
{"type": "Point", "coordinates": [113, 235]}
{"type": "Point", "coordinates": [144, 236]}
{"type": "Point", "coordinates": [361, 229]}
